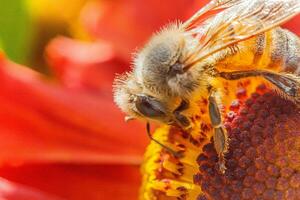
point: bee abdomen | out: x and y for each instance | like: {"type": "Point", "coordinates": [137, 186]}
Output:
{"type": "Point", "coordinates": [260, 45]}
{"type": "Point", "coordinates": [284, 51]}
{"type": "Point", "coordinates": [275, 50]}
{"type": "Point", "coordinates": [292, 61]}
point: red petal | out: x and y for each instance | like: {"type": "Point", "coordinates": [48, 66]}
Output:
{"type": "Point", "coordinates": [293, 25]}
{"type": "Point", "coordinates": [40, 121]}
{"type": "Point", "coordinates": [79, 182]}
{"type": "Point", "coordinates": [127, 24]}
{"type": "Point", "coordinates": [13, 191]}
{"type": "Point", "coordinates": [82, 65]}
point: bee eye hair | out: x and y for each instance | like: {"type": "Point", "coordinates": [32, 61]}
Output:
{"type": "Point", "coordinates": [149, 106]}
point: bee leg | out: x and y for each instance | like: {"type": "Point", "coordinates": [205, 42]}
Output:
{"type": "Point", "coordinates": [239, 74]}
{"type": "Point", "coordinates": [171, 151]}
{"type": "Point", "coordinates": [183, 120]}
{"type": "Point", "coordinates": [288, 84]}
{"type": "Point", "coordinates": [220, 133]}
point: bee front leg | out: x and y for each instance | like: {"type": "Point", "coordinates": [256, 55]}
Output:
{"type": "Point", "coordinates": [220, 133]}
{"type": "Point", "coordinates": [180, 118]}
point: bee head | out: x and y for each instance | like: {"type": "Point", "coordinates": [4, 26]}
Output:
{"type": "Point", "coordinates": [129, 97]}
{"type": "Point", "coordinates": [160, 65]}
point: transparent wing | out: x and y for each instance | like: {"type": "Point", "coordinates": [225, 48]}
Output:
{"type": "Point", "coordinates": [212, 8]}
{"type": "Point", "coordinates": [239, 21]}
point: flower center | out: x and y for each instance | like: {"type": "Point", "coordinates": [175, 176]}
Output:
{"type": "Point", "coordinates": [263, 161]}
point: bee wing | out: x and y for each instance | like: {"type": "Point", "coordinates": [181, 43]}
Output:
{"type": "Point", "coordinates": [240, 20]}
{"type": "Point", "coordinates": [210, 9]}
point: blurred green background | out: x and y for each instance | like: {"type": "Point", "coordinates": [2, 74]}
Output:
{"type": "Point", "coordinates": [16, 29]}
{"type": "Point", "coordinates": [27, 26]}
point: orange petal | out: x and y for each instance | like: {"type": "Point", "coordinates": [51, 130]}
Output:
{"type": "Point", "coordinates": [79, 182]}
{"type": "Point", "coordinates": [13, 191]}
{"type": "Point", "coordinates": [40, 121]}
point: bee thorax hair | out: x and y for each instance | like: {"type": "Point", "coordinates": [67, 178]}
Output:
{"type": "Point", "coordinates": [152, 63]}
{"type": "Point", "coordinates": [186, 84]}
{"type": "Point", "coordinates": [159, 66]}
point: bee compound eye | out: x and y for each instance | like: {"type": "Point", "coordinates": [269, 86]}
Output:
{"type": "Point", "coordinates": [149, 106]}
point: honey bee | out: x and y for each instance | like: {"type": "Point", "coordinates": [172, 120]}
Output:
{"type": "Point", "coordinates": [226, 39]}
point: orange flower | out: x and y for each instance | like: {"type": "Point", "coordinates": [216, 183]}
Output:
{"type": "Point", "coordinates": [63, 138]}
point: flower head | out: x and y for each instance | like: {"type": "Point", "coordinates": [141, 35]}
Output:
{"type": "Point", "coordinates": [263, 161]}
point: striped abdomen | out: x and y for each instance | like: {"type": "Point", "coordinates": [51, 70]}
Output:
{"type": "Point", "coordinates": [277, 49]}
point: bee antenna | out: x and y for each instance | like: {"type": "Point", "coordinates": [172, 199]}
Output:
{"type": "Point", "coordinates": [173, 152]}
